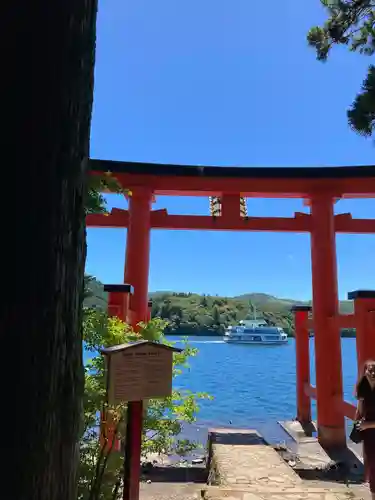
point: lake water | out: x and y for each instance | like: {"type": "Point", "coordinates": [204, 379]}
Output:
{"type": "Point", "coordinates": [253, 386]}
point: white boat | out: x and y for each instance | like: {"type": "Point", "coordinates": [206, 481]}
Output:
{"type": "Point", "coordinates": [255, 331]}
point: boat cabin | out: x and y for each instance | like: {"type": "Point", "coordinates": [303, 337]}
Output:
{"type": "Point", "coordinates": [253, 323]}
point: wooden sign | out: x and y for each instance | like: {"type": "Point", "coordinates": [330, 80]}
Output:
{"type": "Point", "coordinates": [140, 370]}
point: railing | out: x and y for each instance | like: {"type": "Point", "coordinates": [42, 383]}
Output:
{"type": "Point", "coordinates": [347, 409]}
{"type": "Point", "coordinates": [341, 320]}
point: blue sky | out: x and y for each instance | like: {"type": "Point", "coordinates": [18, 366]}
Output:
{"type": "Point", "coordinates": [225, 83]}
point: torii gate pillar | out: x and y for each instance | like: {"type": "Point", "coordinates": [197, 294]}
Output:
{"type": "Point", "coordinates": [329, 387]}
{"type": "Point", "coordinates": [364, 310]}
{"type": "Point", "coordinates": [137, 259]}
{"type": "Point", "coordinates": [136, 273]}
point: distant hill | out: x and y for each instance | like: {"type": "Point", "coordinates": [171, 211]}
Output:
{"type": "Point", "coordinates": [262, 299]}
{"type": "Point", "coordinates": [191, 313]}
{"type": "Point", "coordinates": [346, 306]}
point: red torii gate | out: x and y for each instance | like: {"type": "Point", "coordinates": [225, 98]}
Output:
{"type": "Point", "coordinates": [318, 187]}
{"type": "Point", "coordinates": [363, 320]}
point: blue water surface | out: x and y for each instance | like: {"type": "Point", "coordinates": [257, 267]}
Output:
{"type": "Point", "coordinates": [253, 386]}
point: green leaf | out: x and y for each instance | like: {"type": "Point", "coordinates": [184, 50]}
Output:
{"type": "Point", "coordinates": [164, 418]}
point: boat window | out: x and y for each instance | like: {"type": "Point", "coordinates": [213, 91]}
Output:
{"type": "Point", "coordinates": [257, 338]}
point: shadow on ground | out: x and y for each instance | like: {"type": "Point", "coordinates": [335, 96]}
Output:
{"type": "Point", "coordinates": [238, 438]}
{"type": "Point", "coordinates": [176, 475]}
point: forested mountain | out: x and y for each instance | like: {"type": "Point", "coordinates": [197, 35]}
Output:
{"type": "Point", "coordinates": [206, 314]}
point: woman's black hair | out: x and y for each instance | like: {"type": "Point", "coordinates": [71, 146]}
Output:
{"type": "Point", "coordinates": [363, 387]}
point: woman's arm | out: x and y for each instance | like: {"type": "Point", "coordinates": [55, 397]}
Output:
{"type": "Point", "coordinates": [359, 412]}
{"type": "Point", "coordinates": [363, 426]}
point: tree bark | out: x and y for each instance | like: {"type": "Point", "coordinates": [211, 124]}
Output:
{"type": "Point", "coordinates": [49, 86]}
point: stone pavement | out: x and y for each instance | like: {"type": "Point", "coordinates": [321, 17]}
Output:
{"type": "Point", "coordinates": [242, 457]}
{"type": "Point", "coordinates": [178, 491]}
{"type": "Point", "coordinates": [170, 491]}
{"type": "Point", "coordinates": [245, 468]}
{"type": "Point", "coordinates": [294, 493]}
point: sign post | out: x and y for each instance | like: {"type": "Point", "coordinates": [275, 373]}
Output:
{"type": "Point", "coordinates": [135, 372]}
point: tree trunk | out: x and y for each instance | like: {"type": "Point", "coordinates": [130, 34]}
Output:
{"type": "Point", "coordinates": [49, 85]}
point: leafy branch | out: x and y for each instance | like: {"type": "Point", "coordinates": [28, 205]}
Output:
{"type": "Point", "coordinates": [95, 201]}
{"type": "Point", "coordinates": [100, 470]}
{"type": "Point", "coordinates": [351, 23]}
{"type": "Point", "coordinates": [361, 115]}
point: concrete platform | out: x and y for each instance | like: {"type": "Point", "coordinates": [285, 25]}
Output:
{"type": "Point", "coordinates": [311, 455]}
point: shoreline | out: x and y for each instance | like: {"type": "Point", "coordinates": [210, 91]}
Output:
{"type": "Point", "coordinates": [344, 335]}
{"type": "Point", "coordinates": [272, 431]}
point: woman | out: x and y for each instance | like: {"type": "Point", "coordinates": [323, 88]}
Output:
{"type": "Point", "coordinates": [366, 411]}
